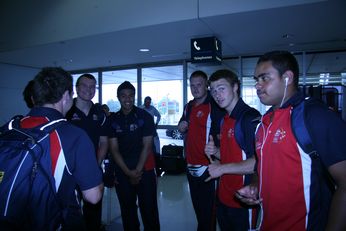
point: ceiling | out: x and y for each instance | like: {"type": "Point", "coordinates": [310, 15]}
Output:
{"type": "Point", "coordinates": [308, 25]}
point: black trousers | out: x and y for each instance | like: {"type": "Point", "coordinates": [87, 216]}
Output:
{"type": "Point", "coordinates": [203, 196]}
{"type": "Point", "coordinates": [146, 193]}
{"type": "Point", "coordinates": [92, 214]}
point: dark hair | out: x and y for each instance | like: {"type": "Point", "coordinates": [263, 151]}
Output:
{"type": "Point", "coordinates": [86, 75]}
{"type": "Point", "coordinates": [282, 61]}
{"type": "Point", "coordinates": [125, 85]}
{"type": "Point", "coordinates": [27, 94]}
{"type": "Point", "coordinates": [199, 74]}
{"type": "Point", "coordinates": [228, 75]}
{"type": "Point", "coordinates": [50, 84]}
{"type": "Point", "coordinates": [147, 98]}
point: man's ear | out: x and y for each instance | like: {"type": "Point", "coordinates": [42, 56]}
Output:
{"type": "Point", "coordinates": [65, 97]}
{"type": "Point", "coordinates": [290, 77]}
{"type": "Point", "coordinates": [235, 87]}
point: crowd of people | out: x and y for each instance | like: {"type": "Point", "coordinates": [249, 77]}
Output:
{"type": "Point", "coordinates": [245, 171]}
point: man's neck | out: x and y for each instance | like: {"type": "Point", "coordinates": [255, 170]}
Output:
{"type": "Point", "coordinates": [200, 100]}
{"type": "Point", "coordinates": [126, 111]}
{"type": "Point", "coordinates": [84, 105]}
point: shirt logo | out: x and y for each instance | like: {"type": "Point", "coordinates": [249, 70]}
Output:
{"type": "Point", "coordinates": [75, 117]}
{"type": "Point", "coordinates": [133, 127]}
{"type": "Point", "coordinates": [279, 135]}
{"type": "Point", "coordinates": [199, 114]}
{"type": "Point", "coordinates": [1, 175]}
{"type": "Point", "coordinates": [230, 133]}
{"type": "Point", "coordinates": [95, 117]}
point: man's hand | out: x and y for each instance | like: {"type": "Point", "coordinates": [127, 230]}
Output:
{"type": "Point", "coordinates": [210, 148]}
{"type": "Point", "coordinates": [134, 176]}
{"type": "Point", "coordinates": [248, 195]}
{"type": "Point", "coordinates": [215, 171]}
{"type": "Point", "coordinates": [182, 126]}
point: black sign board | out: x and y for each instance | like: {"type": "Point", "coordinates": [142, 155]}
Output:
{"type": "Point", "coordinates": [206, 50]}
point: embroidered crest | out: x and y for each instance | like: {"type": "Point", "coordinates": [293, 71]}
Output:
{"type": "Point", "coordinates": [230, 133]}
{"type": "Point", "coordinates": [75, 117]}
{"type": "Point", "coordinates": [133, 127]}
{"type": "Point", "coordinates": [279, 135]}
{"type": "Point", "coordinates": [199, 114]}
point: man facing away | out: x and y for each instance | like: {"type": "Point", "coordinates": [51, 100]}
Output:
{"type": "Point", "coordinates": [92, 119]}
{"type": "Point", "coordinates": [131, 146]}
{"type": "Point", "coordinates": [52, 93]}
{"type": "Point", "coordinates": [234, 162]}
{"type": "Point", "coordinates": [196, 122]}
{"type": "Point", "coordinates": [293, 186]}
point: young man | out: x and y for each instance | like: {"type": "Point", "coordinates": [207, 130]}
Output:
{"type": "Point", "coordinates": [196, 123]}
{"type": "Point", "coordinates": [131, 146]}
{"type": "Point", "coordinates": [293, 185]}
{"type": "Point", "coordinates": [52, 93]}
{"type": "Point", "coordinates": [234, 162]}
{"type": "Point", "coordinates": [92, 119]}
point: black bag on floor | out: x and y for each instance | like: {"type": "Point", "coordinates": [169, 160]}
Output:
{"type": "Point", "coordinates": [173, 159]}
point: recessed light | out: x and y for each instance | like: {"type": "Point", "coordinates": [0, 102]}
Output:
{"type": "Point", "coordinates": [144, 50]}
{"type": "Point", "coordinates": [287, 36]}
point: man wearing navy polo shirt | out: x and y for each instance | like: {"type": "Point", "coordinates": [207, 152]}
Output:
{"type": "Point", "coordinates": [131, 147]}
{"type": "Point", "coordinates": [92, 119]}
{"type": "Point", "coordinates": [77, 167]}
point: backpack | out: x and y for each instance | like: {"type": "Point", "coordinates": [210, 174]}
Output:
{"type": "Point", "coordinates": [28, 198]}
{"type": "Point", "coordinates": [238, 130]}
{"type": "Point", "coordinates": [299, 128]}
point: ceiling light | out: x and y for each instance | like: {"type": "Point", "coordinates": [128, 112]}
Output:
{"type": "Point", "coordinates": [144, 50]}
{"type": "Point", "coordinates": [287, 36]}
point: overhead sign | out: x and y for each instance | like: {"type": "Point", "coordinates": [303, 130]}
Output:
{"type": "Point", "coordinates": [206, 50]}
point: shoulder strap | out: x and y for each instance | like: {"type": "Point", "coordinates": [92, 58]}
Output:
{"type": "Point", "coordinates": [35, 133]}
{"type": "Point", "coordinates": [238, 129]}
{"type": "Point", "coordinates": [300, 129]}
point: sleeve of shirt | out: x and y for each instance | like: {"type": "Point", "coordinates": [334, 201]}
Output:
{"type": "Point", "coordinates": [183, 116]}
{"type": "Point", "coordinates": [106, 128]}
{"type": "Point", "coordinates": [111, 124]}
{"type": "Point", "coordinates": [249, 123]}
{"type": "Point", "coordinates": [81, 160]}
{"type": "Point", "coordinates": [217, 115]}
{"type": "Point", "coordinates": [328, 132]}
{"type": "Point", "coordinates": [158, 115]}
{"type": "Point", "coordinates": [149, 126]}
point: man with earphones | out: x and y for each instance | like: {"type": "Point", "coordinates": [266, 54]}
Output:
{"type": "Point", "coordinates": [293, 187]}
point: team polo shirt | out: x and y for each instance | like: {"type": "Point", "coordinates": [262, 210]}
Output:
{"type": "Point", "coordinates": [231, 152]}
{"type": "Point", "coordinates": [94, 123]}
{"type": "Point", "coordinates": [129, 130]}
{"type": "Point", "coordinates": [294, 196]}
{"type": "Point", "coordinates": [76, 166]}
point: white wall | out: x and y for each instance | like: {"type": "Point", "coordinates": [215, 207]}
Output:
{"type": "Point", "coordinates": [13, 79]}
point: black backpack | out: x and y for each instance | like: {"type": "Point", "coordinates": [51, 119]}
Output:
{"type": "Point", "coordinates": [28, 198]}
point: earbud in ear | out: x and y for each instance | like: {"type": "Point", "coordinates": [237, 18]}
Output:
{"type": "Point", "coordinates": [286, 81]}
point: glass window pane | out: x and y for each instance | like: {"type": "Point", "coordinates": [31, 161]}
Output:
{"type": "Point", "coordinates": [76, 76]}
{"type": "Point", "coordinates": [110, 82]}
{"type": "Point", "coordinates": [248, 89]}
{"type": "Point", "coordinates": [165, 87]}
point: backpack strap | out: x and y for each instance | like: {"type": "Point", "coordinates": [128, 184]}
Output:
{"type": "Point", "coordinates": [35, 133]}
{"type": "Point", "coordinates": [238, 129]}
{"type": "Point", "coordinates": [300, 129]}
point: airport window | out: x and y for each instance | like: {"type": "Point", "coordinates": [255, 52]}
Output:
{"type": "Point", "coordinates": [165, 87]}
{"type": "Point", "coordinates": [110, 82]}
{"type": "Point", "coordinates": [248, 84]}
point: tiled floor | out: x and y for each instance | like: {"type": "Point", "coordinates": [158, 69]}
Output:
{"type": "Point", "coordinates": [174, 202]}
